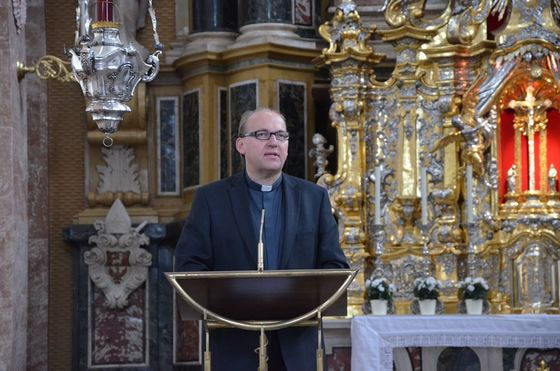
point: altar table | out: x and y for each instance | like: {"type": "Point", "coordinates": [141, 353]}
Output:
{"type": "Point", "coordinates": [374, 337]}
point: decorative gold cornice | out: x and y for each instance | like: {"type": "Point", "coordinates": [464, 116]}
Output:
{"type": "Point", "coordinates": [407, 31]}
{"type": "Point", "coordinates": [473, 50]}
{"type": "Point", "coordinates": [257, 54]}
{"type": "Point", "coordinates": [519, 45]}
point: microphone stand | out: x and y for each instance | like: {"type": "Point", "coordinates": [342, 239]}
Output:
{"type": "Point", "coordinates": [260, 246]}
{"type": "Point", "coordinates": [263, 341]}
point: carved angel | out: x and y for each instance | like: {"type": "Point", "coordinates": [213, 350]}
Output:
{"type": "Point", "coordinates": [476, 136]}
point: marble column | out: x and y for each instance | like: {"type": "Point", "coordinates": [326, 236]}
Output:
{"type": "Point", "coordinates": [267, 21]}
{"type": "Point", "coordinates": [214, 16]}
{"type": "Point", "coordinates": [272, 11]}
{"type": "Point", "coordinates": [37, 141]}
{"type": "Point", "coordinates": [13, 190]}
{"type": "Point", "coordinates": [214, 25]}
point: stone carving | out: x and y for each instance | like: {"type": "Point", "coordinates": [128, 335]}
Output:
{"type": "Point", "coordinates": [117, 265]}
{"type": "Point", "coordinates": [511, 179]}
{"type": "Point", "coordinates": [320, 154]}
{"type": "Point", "coordinates": [20, 13]}
{"type": "Point", "coordinates": [120, 174]}
{"type": "Point", "coordinates": [552, 179]}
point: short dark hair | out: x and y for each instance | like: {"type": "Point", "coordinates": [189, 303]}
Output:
{"type": "Point", "coordinates": [247, 115]}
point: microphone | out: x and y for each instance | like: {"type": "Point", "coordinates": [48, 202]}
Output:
{"type": "Point", "coordinates": [260, 246]}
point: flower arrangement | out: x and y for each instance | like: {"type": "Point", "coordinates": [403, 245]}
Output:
{"type": "Point", "coordinates": [379, 289]}
{"type": "Point", "coordinates": [426, 288]}
{"type": "Point", "coordinates": [473, 288]}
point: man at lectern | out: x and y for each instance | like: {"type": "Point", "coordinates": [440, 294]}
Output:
{"type": "Point", "coordinates": [224, 226]}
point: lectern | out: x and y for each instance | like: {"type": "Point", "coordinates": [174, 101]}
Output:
{"type": "Point", "coordinates": [285, 298]}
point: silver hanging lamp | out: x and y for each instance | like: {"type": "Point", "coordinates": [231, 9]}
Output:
{"type": "Point", "coordinates": [107, 70]}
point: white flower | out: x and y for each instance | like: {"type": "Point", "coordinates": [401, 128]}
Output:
{"type": "Point", "coordinates": [392, 288]}
{"type": "Point", "coordinates": [429, 283]}
{"type": "Point", "coordinates": [470, 287]}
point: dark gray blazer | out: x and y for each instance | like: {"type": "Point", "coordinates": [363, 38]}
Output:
{"type": "Point", "coordinates": [219, 235]}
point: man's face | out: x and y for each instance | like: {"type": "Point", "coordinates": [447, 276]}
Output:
{"type": "Point", "coordinates": [263, 158]}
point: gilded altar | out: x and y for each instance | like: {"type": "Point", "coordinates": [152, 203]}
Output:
{"type": "Point", "coordinates": [472, 108]}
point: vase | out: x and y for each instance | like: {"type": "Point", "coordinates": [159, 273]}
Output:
{"type": "Point", "coordinates": [427, 306]}
{"type": "Point", "coordinates": [379, 306]}
{"type": "Point", "coordinates": [474, 306]}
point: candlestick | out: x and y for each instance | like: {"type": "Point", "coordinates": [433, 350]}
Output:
{"type": "Point", "coordinates": [469, 197]}
{"type": "Point", "coordinates": [377, 218]}
{"type": "Point", "coordinates": [424, 195]}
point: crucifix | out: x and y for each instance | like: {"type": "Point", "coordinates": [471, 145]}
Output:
{"type": "Point", "coordinates": [530, 107]}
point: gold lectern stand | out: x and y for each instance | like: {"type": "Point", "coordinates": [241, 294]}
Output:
{"type": "Point", "coordinates": [285, 298]}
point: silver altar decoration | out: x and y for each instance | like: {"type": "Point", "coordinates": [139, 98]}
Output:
{"type": "Point", "coordinates": [107, 70]}
{"type": "Point", "coordinates": [320, 154]}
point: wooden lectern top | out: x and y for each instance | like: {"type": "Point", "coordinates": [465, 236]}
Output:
{"type": "Point", "coordinates": [262, 296]}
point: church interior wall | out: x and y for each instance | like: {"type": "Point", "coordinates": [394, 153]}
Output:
{"type": "Point", "coordinates": [66, 189]}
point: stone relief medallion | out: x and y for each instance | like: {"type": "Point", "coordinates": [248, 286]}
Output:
{"type": "Point", "coordinates": [20, 13]}
{"type": "Point", "coordinates": [117, 265]}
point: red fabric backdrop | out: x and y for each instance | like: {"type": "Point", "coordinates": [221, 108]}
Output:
{"type": "Point", "coordinates": [506, 143]}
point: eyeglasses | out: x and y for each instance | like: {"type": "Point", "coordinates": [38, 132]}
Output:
{"type": "Point", "coordinates": [280, 135]}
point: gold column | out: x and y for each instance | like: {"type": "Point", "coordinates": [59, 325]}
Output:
{"type": "Point", "coordinates": [351, 62]}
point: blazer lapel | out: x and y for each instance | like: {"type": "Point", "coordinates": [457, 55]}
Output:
{"type": "Point", "coordinates": [239, 196]}
{"type": "Point", "coordinates": [292, 202]}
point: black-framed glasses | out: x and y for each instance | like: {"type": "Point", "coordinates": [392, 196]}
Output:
{"type": "Point", "coordinates": [280, 135]}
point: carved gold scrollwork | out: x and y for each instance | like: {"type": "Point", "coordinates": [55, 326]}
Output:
{"type": "Point", "coordinates": [346, 35]}
{"type": "Point", "coordinates": [47, 67]}
{"type": "Point", "coordinates": [399, 13]}
{"type": "Point", "coordinates": [466, 20]}
{"type": "Point", "coordinates": [396, 11]}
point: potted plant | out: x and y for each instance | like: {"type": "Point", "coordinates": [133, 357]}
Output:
{"type": "Point", "coordinates": [380, 294]}
{"type": "Point", "coordinates": [474, 292]}
{"type": "Point", "coordinates": [426, 290]}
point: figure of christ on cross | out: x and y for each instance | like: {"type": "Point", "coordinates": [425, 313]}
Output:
{"type": "Point", "coordinates": [530, 107]}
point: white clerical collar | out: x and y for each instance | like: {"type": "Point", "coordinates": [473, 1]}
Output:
{"type": "Point", "coordinates": [262, 187]}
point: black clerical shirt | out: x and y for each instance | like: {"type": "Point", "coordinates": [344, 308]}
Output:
{"type": "Point", "coordinates": [268, 198]}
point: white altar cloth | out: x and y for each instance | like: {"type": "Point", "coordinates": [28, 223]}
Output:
{"type": "Point", "coordinates": [374, 337]}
